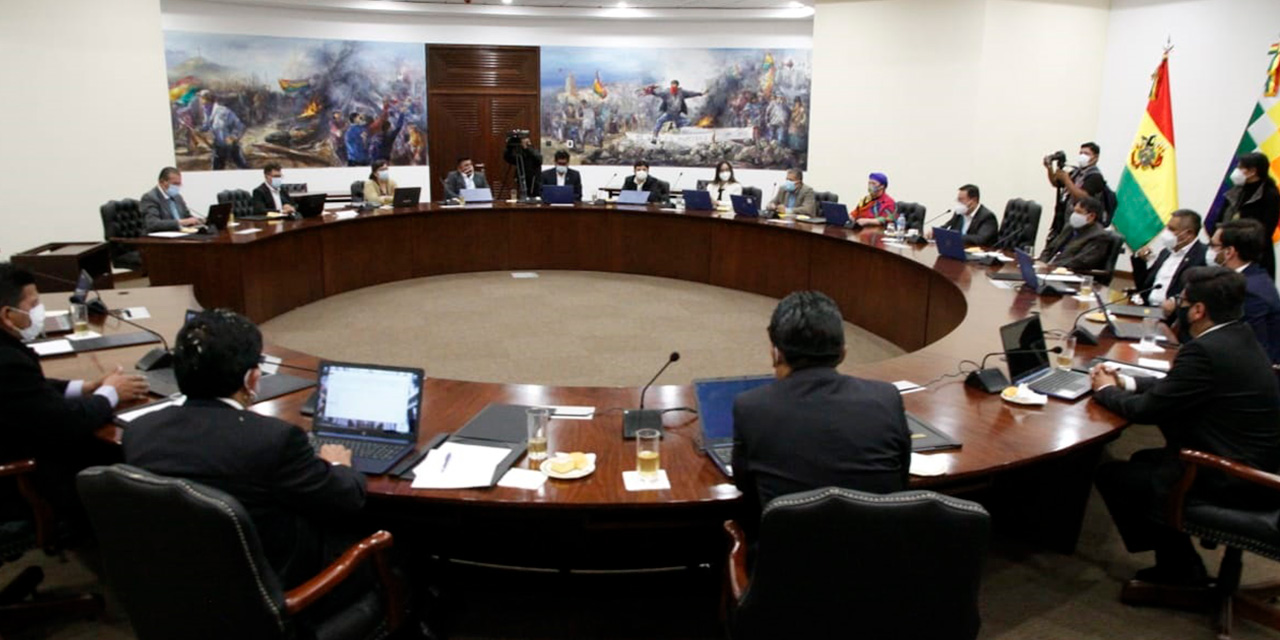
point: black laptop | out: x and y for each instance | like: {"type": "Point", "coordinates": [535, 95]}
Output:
{"type": "Point", "coordinates": [310, 205]}
{"type": "Point", "coordinates": [715, 415]}
{"type": "Point", "coordinates": [406, 196]}
{"type": "Point", "coordinates": [371, 409]}
{"type": "Point", "coordinates": [219, 216]}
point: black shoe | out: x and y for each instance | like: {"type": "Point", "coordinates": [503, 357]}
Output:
{"type": "Point", "coordinates": [1192, 575]}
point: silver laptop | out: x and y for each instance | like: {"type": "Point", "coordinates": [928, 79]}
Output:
{"type": "Point", "coordinates": [1028, 362]}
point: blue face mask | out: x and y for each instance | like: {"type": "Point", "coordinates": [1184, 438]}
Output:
{"type": "Point", "coordinates": [173, 190]}
{"type": "Point", "coordinates": [789, 185]}
{"type": "Point", "coordinates": [276, 182]}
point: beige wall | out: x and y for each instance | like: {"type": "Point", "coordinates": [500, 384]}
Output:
{"type": "Point", "coordinates": [937, 93]}
{"type": "Point", "coordinates": [82, 121]}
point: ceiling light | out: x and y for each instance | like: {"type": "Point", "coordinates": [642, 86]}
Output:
{"type": "Point", "coordinates": [622, 5]}
{"type": "Point", "coordinates": [506, 1]}
{"type": "Point", "coordinates": [795, 5]}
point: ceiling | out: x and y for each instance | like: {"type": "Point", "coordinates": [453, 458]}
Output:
{"type": "Point", "coordinates": [635, 4]}
{"type": "Point", "coordinates": [564, 9]}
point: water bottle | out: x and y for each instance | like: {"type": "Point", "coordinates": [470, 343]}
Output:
{"type": "Point", "coordinates": [901, 225]}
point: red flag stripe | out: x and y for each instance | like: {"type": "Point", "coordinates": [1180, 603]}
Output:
{"type": "Point", "coordinates": [1160, 107]}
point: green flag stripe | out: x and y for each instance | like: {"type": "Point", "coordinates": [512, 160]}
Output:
{"type": "Point", "coordinates": [1135, 218]}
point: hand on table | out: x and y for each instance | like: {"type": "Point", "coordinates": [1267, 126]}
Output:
{"type": "Point", "coordinates": [128, 386]}
{"type": "Point", "coordinates": [1101, 377]}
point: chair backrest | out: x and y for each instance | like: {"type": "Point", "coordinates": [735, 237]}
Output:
{"type": "Point", "coordinates": [1020, 224]}
{"type": "Point", "coordinates": [753, 192]}
{"type": "Point", "coordinates": [357, 191]}
{"type": "Point", "coordinates": [294, 187]}
{"type": "Point", "coordinates": [902, 565]}
{"type": "Point", "coordinates": [121, 219]}
{"type": "Point", "coordinates": [701, 185]}
{"type": "Point", "coordinates": [1113, 256]}
{"type": "Point", "coordinates": [826, 196]}
{"type": "Point", "coordinates": [914, 213]}
{"type": "Point", "coordinates": [184, 559]}
{"type": "Point", "coordinates": [241, 201]}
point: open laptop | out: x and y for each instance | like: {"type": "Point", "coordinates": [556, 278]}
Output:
{"type": "Point", "coordinates": [475, 196]}
{"type": "Point", "coordinates": [1035, 281]}
{"type": "Point", "coordinates": [408, 196]}
{"type": "Point", "coordinates": [1135, 311]}
{"type": "Point", "coordinates": [836, 214]}
{"type": "Point", "coordinates": [715, 415]}
{"type": "Point", "coordinates": [371, 409]}
{"type": "Point", "coordinates": [698, 200]}
{"type": "Point", "coordinates": [555, 194]}
{"type": "Point", "coordinates": [310, 205]}
{"type": "Point", "coordinates": [951, 244]}
{"type": "Point", "coordinates": [1028, 362]}
{"type": "Point", "coordinates": [1121, 330]}
{"type": "Point", "coordinates": [219, 216]}
{"type": "Point", "coordinates": [745, 206]}
{"type": "Point", "coordinates": [633, 196]}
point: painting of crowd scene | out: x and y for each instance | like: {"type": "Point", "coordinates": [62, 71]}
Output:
{"type": "Point", "coordinates": [677, 107]}
{"type": "Point", "coordinates": [239, 101]}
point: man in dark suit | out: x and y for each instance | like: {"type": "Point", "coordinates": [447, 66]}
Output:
{"type": "Point", "coordinates": [297, 500]}
{"type": "Point", "coordinates": [815, 427]}
{"type": "Point", "coordinates": [51, 420]}
{"type": "Point", "coordinates": [972, 218]}
{"type": "Point", "coordinates": [1239, 245]}
{"type": "Point", "coordinates": [561, 175]}
{"type": "Point", "coordinates": [659, 190]}
{"type": "Point", "coordinates": [1219, 397]}
{"type": "Point", "coordinates": [1178, 249]}
{"type": "Point", "coordinates": [1086, 245]}
{"type": "Point", "coordinates": [163, 208]}
{"type": "Point", "coordinates": [465, 177]}
{"type": "Point", "coordinates": [1254, 196]}
{"type": "Point", "coordinates": [269, 196]}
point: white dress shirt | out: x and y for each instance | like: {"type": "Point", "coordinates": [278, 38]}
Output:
{"type": "Point", "coordinates": [469, 180]}
{"type": "Point", "coordinates": [1165, 275]}
{"type": "Point", "coordinates": [75, 389]}
{"type": "Point", "coordinates": [275, 195]}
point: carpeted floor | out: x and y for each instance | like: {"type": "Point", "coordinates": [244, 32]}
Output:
{"type": "Point", "coordinates": [559, 327]}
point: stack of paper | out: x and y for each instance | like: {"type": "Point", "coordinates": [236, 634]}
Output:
{"type": "Point", "coordinates": [454, 465]}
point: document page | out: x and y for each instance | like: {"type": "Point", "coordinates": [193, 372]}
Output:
{"type": "Point", "coordinates": [454, 465]}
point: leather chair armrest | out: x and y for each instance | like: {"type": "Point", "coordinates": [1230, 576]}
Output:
{"type": "Point", "coordinates": [17, 467]}
{"type": "Point", "coordinates": [1192, 461]}
{"type": "Point", "coordinates": [377, 548]}
{"type": "Point", "coordinates": [737, 565]}
{"type": "Point", "coordinates": [42, 511]}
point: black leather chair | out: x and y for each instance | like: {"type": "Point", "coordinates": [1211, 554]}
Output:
{"type": "Point", "coordinates": [123, 219]}
{"type": "Point", "coordinates": [753, 192]}
{"type": "Point", "coordinates": [357, 191]}
{"type": "Point", "coordinates": [294, 187]}
{"type": "Point", "coordinates": [186, 562]}
{"type": "Point", "coordinates": [1020, 224]}
{"type": "Point", "coordinates": [241, 201]}
{"type": "Point", "coordinates": [1104, 276]}
{"type": "Point", "coordinates": [21, 535]}
{"type": "Point", "coordinates": [701, 185]}
{"type": "Point", "coordinates": [840, 563]}
{"type": "Point", "coordinates": [826, 196]}
{"type": "Point", "coordinates": [915, 214]}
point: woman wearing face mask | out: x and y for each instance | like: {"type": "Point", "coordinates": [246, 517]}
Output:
{"type": "Point", "coordinates": [877, 208]}
{"type": "Point", "coordinates": [1254, 197]}
{"type": "Point", "coordinates": [380, 188]}
{"type": "Point", "coordinates": [724, 185]}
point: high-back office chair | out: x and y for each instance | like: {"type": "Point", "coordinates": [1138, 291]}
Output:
{"type": "Point", "coordinates": [914, 214]}
{"type": "Point", "coordinates": [19, 536]}
{"type": "Point", "coordinates": [826, 196]}
{"type": "Point", "coordinates": [753, 192]}
{"type": "Point", "coordinates": [701, 185]}
{"type": "Point", "coordinates": [1105, 275]}
{"type": "Point", "coordinates": [186, 562]}
{"type": "Point", "coordinates": [357, 191]}
{"type": "Point", "coordinates": [902, 565]}
{"type": "Point", "coordinates": [293, 187]}
{"type": "Point", "coordinates": [123, 219]}
{"type": "Point", "coordinates": [241, 201]}
{"type": "Point", "coordinates": [1020, 223]}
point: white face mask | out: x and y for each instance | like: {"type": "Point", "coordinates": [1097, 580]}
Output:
{"type": "Point", "coordinates": [562, 169]}
{"type": "Point", "coordinates": [960, 209]}
{"type": "Point", "coordinates": [36, 327]}
{"type": "Point", "coordinates": [384, 175]}
{"type": "Point", "coordinates": [642, 175]}
{"type": "Point", "coordinates": [1078, 220]}
{"type": "Point", "coordinates": [252, 391]}
{"type": "Point", "coordinates": [276, 182]}
{"type": "Point", "coordinates": [1237, 176]}
{"type": "Point", "coordinates": [725, 175]}
{"type": "Point", "coordinates": [1211, 256]}
{"type": "Point", "coordinates": [1084, 160]}
{"type": "Point", "coordinates": [1166, 239]}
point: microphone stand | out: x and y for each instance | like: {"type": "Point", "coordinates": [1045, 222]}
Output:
{"type": "Point", "coordinates": [634, 420]}
{"type": "Point", "coordinates": [994, 380]}
{"type": "Point", "coordinates": [157, 358]}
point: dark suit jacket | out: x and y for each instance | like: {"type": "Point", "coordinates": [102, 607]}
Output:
{"type": "Point", "coordinates": [1219, 397]}
{"type": "Point", "coordinates": [983, 231]}
{"type": "Point", "coordinates": [156, 214]}
{"type": "Point", "coordinates": [267, 464]}
{"type": "Point", "coordinates": [571, 179]}
{"type": "Point", "coordinates": [38, 420]}
{"type": "Point", "coordinates": [659, 190]}
{"type": "Point", "coordinates": [454, 183]}
{"type": "Point", "coordinates": [1262, 309]}
{"type": "Point", "coordinates": [1081, 249]}
{"type": "Point", "coordinates": [1145, 278]}
{"type": "Point", "coordinates": [263, 202]}
{"type": "Point", "coordinates": [819, 428]}
{"type": "Point", "coordinates": [1262, 205]}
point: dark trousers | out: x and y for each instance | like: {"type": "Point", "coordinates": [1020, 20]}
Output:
{"type": "Point", "coordinates": [224, 152]}
{"type": "Point", "coordinates": [1135, 493]}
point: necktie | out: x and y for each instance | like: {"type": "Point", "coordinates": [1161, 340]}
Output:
{"type": "Point", "coordinates": [173, 209]}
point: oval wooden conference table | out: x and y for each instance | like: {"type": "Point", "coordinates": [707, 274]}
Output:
{"type": "Point", "coordinates": [1030, 465]}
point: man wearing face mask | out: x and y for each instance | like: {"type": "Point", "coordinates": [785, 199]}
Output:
{"type": "Point", "coordinates": [1254, 197]}
{"type": "Point", "coordinates": [51, 420]}
{"type": "Point", "coordinates": [794, 197]}
{"type": "Point", "coordinates": [562, 175]}
{"type": "Point", "coordinates": [1176, 249]}
{"type": "Point", "coordinates": [298, 500]}
{"type": "Point", "coordinates": [972, 219]}
{"type": "Point", "coordinates": [465, 177]}
{"type": "Point", "coordinates": [1219, 397]}
{"type": "Point", "coordinates": [268, 196]}
{"type": "Point", "coordinates": [1237, 245]}
{"type": "Point", "coordinates": [1084, 181]}
{"type": "Point", "coordinates": [659, 190]}
{"type": "Point", "coordinates": [877, 208]}
{"type": "Point", "coordinates": [1083, 247]}
{"type": "Point", "coordinates": [163, 208]}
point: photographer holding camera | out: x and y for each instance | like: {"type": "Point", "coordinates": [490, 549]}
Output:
{"type": "Point", "coordinates": [521, 154]}
{"type": "Point", "coordinates": [1084, 181]}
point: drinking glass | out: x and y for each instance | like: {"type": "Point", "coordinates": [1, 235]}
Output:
{"type": "Point", "coordinates": [80, 318]}
{"type": "Point", "coordinates": [536, 419]}
{"type": "Point", "coordinates": [648, 461]}
{"type": "Point", "coordinates": [1086, 285]}
{"type": "Point", "coordinates": [1068, 354]}
{"type": "Point", "coordinates": [1150, 332]}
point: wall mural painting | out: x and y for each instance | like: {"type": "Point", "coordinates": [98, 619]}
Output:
{"type": "Point", "coordinates": [679, 107]}
{"type": "Point", "coordinates": [240, 101]}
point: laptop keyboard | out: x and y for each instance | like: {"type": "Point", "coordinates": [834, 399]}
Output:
{"type": "Point", "coordinates": [724, 455]}
{"type": "Point", "coordinates": [1058, 381]}
{"type": "Point", "coordinates": [361, 448]}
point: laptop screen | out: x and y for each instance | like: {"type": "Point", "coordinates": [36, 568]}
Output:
{"type": "Point", "coordinates": [369, 400]}
{"type": "Point", "coordinates": [1020, 336]}
{"type": "Point", "coordinates": [715, 404]}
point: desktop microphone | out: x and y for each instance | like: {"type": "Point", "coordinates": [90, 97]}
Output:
{"type": "Point", "coordinates": [157, 358]}
{"type": "Point", "coordinates": [920, 239]}
{"type": "Point", "coordinates": [605, 188]}
{"type": "Point", "coordinates": [994, 380]}
{"type": "Point", "coordinates": [1085, 336]}
{"type": "Point", "coordinates": [677, 182]}
{"type": "Point", "coordinates": [634, 420]}
{"type": "Point", "coordinates": [96, 306]}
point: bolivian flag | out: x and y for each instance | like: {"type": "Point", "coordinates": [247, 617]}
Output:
{"type": "Point", "coordinates": [1261, 135]}
{"type": "Point", "coordinates": [1148, 191]}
